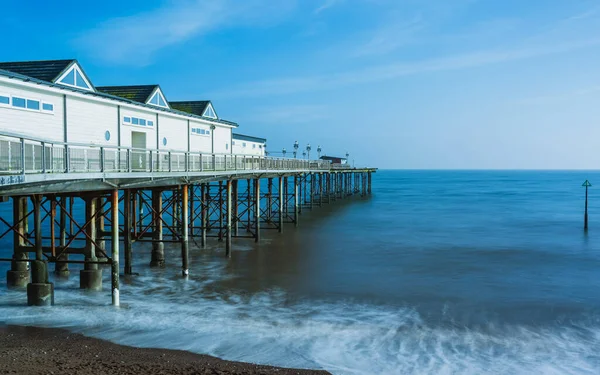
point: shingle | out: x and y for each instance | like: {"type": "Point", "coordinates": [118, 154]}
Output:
{"type": "Point", "coordinates": [139, 94]}
{"type": "Point", "coordinates": [194, 107]}
{"type": "Point", "coordinates": [47, 70]}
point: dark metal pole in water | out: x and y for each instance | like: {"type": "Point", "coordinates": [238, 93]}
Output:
{"type": "Point", "coordinates": [203, 213]}
{"type": "Point", "coordinates": [296, 216]}
{"type": "Point", "coordinates": [158, 247]}
{"type": "Point", "coordinates": [586, 184]}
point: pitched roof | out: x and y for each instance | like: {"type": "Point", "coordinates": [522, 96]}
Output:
{"type": "Point", "coordinates": [139, 94]}
{"type": "Point", "coordinates": [196, 107]}
{"type": "Point", "coordinates": [325, 157]}
{"type": "Point", "coordinates": [47, 70]}
{"type": "Point", "coordinates": [248, 138]}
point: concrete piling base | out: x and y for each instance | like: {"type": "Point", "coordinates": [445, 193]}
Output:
{"type": "Point", "coordinates": [17, 279]}
{"type": "Point", "coordinates": [90, 279]}
{"type": "Point", "coordinates": [158, 255]}
{"type": "Point", "coordinates": [62, 269]}
{"type": "Point", "coordinates": [40, 294]}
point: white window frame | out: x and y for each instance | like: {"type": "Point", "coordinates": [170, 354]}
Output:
{"type": "Point", "coordinates": [77, 69]}
{"type": "Point", "coordinates": [10, 104]}
{"type": "Point", "coordinates": [213, 111]}
{"type": "Point", "coordinates": [158, 92]}
{"type": "Point", "coordinates": [9, 100]}
{"type": "Point", "coordinates": [47, 110]}
{"type": "Point", "coordinates": [131, 117]}
{"type": "Point", "coordinates": [205, 134]}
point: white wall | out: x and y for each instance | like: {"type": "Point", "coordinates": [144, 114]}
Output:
{"type": "Point", "coordinates": [252, 148]}
{"type": "Point", "coordinates": [88, 121]}
{"type": "Point", "coordinates": [200, 142]}
{"type": "Point", "coordinates": [175, 130]}
{"type": "Point", "coordinates": [37, 124]}
{"type": "Point", "coordinates": [126, 129]}
{"type": "Point", "coordinates": [222, 140]}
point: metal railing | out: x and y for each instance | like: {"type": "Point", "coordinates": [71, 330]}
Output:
{"type": "Point", "coordinates": [22, 155]}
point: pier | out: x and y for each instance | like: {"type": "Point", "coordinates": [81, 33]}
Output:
{"type": "Point", "coordinates": [76, 204]}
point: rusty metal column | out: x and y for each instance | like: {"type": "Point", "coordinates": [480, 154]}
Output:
{"type": "Point", "coordinates": [127, 231]}
{"type": "Point", "coordinates": [100, 229]}
{"type": "Point", "coordinates": [115, 248]}
{"type": "Point", "coordinates": [300, 192]}
{"type": "Point", "coordinates": [62, 269]}
{"type": "Point", "coordinates": [192, 213]}
{"type": "Point", "coordinates": [184, 230]}
{"type": "Point", "coordinates": [296, 216]}
{"type": "Point", "coordinates": [203, 214]}
{"type": "Point", "coordinates": [39, 292]}
{"type": "Point", "coordinates": [90, 277]}
{"type": "Point", "coordinates": [285, 196]}
{"type": "Point", "coordinates": [134, 209]}
{"type": "Point", "coordinates": [257, 209]}
{"type": "Point", "coordinates": [228, 220]}
{"type": "Point", "coordinates": [280, 204]}
{"type": "Point", "coordinates": [158, 247]}
{"type": "Point", "coordinates": [18, 275]}
{"type": "Point", "coordinates": [249, 203]}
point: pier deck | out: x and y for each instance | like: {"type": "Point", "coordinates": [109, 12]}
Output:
{"type": "Point", "coordinates": [136, 195]}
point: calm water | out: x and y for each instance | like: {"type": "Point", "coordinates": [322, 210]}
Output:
{"type": "Point", "coordinates": [436, 273]}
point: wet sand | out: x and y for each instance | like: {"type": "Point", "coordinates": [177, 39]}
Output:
{"type": "Point", "coordinates": [32, 350]}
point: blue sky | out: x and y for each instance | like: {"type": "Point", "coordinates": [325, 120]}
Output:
{"type": "Point", "coordinates": [396, 83]}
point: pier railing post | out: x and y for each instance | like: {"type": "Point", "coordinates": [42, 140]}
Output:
{"type": "Point", "coordinates": [115, 248]}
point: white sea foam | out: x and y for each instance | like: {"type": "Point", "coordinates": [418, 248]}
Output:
{"type": "Point", "coordinates": [344, 338]}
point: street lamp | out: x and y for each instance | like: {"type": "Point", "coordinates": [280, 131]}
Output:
{"type": "Point", "coordinates": [308, 150]}
{"type": "Point", "coordinates": [347, 155]}
{"type": "Point", "coordinates": [319, 151]}
{"type": "Point", "coordinates": [304, 154]}
{"type": "Point", "coordinates": [296, 145]}
{"type": "Point", "coordinates": [283, 151]}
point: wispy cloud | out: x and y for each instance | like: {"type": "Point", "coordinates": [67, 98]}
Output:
{"type": "Point", "coordinates": [288, 114]}
{"type": "Point", "coordinates": [135, 39]}
{"type": "Point", "coordinates": [379, 73]}
{"type": "Point", "coordinates": [326, 5]}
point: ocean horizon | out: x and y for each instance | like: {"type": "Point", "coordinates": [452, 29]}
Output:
{"type": "Point", "coordinates": [438, 271]}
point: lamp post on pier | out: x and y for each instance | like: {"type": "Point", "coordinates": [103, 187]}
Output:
{"type": "Point", "coordinates": [308, 149]}
{"type": "Point", "coordinates": [319, 151]}
{"type": "Point", "coordinates": [304, 154]}
{"type": "Point", "coordinates": [296, 145]}
{"type": "Point", "coordinates": [283, 152]}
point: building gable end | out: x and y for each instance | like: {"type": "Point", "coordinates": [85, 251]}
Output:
{"type": "Point", "coordinates": [74, 76]}
{"type": "Point", "coordinates": [157, 98]}
{"type": "Point", "coordinates": [210, 112]}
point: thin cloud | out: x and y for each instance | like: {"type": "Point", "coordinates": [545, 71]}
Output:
{"type": "Point", "coordinates": [133, 40]}
{"type": "Point", "coordinates": [326, 5]}
{"type": "Point", "coordinates": [380, 73]}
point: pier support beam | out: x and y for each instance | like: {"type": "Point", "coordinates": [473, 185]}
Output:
{"type": "Point", "coordinates": [257, 209]}
{"type": "Point", "coordinates": [281, 203]}
{"type": "Point", "coordinates": [296, 212]}
{"type": "Point", "coordinates": [184, 231]}
{"type": "Point", "coordinates": [62, 269]}
{"type": "Point", "coordinates": [158, 247]}
{"type": "Point", "coordinates": [39, 292]}
{"type": "Point", "coordinates": [228, 220]}
{"type": "Point", "coordinates": [115, 248]}
{"type": "Point", "coordinates": [90, 277]}
{"type": "Point", "coordinates": [203, 214]}
{"type": "Point", "coordinates": [369, 183]}
{"type": "Point", "coordinates": [18, 275]}
{"type": "Point", "coordinates": [127, 210]}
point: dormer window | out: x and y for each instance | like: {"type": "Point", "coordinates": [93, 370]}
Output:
{"type": "Point", "coordinates": [158, 100]}
{"type": "Point", "coordinates": [210, 112]}
{"type": "Point", "coordinates": [74, 77]}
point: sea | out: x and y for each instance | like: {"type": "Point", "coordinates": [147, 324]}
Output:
{"type": "Point", "coordinates": [437, 272]}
